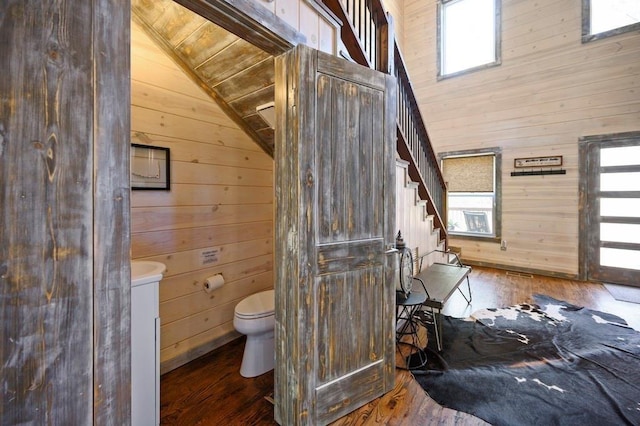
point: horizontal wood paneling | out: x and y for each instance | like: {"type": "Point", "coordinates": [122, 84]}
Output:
{"type": "Point", "coordinates": [170, 125]}
{"type": "Point", "coordinates": [175, 217]}
{"type": "Point", "coordinates": [218, 216]}
{"type": "Point", "coordinates": [549, 90]}
{"type": "Point", "coordinates": [191, 282]}
{"type": "Point", "coordinates": [172, 240]}
{"type": "Point", "coordinates": [174, 309]}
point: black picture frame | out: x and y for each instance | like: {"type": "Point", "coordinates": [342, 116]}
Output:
{"type": "Point", "coordinates": [150, 168]}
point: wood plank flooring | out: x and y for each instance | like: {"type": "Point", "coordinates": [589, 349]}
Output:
{"type": "Point", "coordinates": [210, 390]}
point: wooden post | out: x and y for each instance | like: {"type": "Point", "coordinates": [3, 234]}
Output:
{"type": "Point", "coordinates": [64, 243]}
{"type": "Point", "coordinates": [386, 46]}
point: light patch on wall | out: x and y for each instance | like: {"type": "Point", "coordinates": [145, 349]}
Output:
{"type": "Point", "coordinates": [268, 113]}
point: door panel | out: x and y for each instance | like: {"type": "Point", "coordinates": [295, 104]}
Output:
{"type": "Point", "coordinates": [335, 208]}
{"type": "Point", "coordinates": [610, 218]}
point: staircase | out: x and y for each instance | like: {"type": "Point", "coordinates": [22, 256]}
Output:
{"type": "Point", "coordinates": [367, 34]}
{"type": "Point", "coordinates": [414, 221]}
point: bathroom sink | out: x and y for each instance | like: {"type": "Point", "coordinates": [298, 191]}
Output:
{"type": "Point", "coordinates": [146, 271]}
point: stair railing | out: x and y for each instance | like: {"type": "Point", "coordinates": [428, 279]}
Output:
{"type": "Point", "coordinates": [367, 34]}
{"type": "Point", "coordinates": [415, 147]}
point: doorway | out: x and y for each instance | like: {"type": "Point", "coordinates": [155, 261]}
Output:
{"type": "Point", "coordinates": [610, 209]}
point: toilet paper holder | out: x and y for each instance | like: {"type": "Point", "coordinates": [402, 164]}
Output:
{"type": "Point", "coordinates": [213, 282]}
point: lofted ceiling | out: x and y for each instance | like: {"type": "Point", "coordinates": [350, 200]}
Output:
{"type": "Point", "coordinates": [236, 74]}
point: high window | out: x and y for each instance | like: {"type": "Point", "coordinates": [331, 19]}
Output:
{"type": "Point", "coordinates": [473, 192]}
{"type": "Point", "coordinates": [603, 18]}
{"type": "Point", "coordinates": [468, 35]}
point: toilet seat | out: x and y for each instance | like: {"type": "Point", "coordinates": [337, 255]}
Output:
{"type": "Point", "coordinates": [258, 305]}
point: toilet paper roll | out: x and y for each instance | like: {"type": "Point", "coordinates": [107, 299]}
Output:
{"type": "Point", "coordinates": [213, 282]}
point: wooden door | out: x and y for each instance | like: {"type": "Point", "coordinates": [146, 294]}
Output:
{"type": "Point", "coordinates": [335, 212]}
{"type": "Point", "coordinates": [610, 217]}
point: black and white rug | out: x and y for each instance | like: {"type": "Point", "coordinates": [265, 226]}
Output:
{"type": "Point", "coordinates": [551, 363]}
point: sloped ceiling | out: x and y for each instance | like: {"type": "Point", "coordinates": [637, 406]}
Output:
{"type": "Point", "coordinates": [235, 73]}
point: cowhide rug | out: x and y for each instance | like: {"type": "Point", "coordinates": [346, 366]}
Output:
{"type": "Point", "coordinates": [551, 363]}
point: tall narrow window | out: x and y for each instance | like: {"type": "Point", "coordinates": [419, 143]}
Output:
{"type": "Point", "coordinates": [468, 35]}
{"type": "Point", "coordinates": [473, 182]}
{"type": "Point", "coordinates": [603, 18]}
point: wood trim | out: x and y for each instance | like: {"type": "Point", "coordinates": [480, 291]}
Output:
{"type": "Point", "coordinates": [586, 26]}
{"type": "Point", "coordinates": [326, 13]}
{"type": "Point", "coordinates": [348, 34]}
{"type": "Point", "coordinates": [497, 152]}
{"type": "Point", "coordinates": [589, 167]}
{"type": "Point", "coordinates": [521, 269]}
{"type": "Point", "coordinates": [498, 43]}
{"type": "Point", "coordinates": [111, 213]}
{"type": "Point", "coordinates": [250, 22]}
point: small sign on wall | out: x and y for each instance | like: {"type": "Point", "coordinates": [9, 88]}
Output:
{"type": "Point", "coordinates": [554, 161]}
{"type": "Point", "coordinates": [538, 162]}
{"type": "Point", "coordinates": [209, 256]}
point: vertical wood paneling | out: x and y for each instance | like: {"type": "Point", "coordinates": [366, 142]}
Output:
{"type": "Point", "coordinates": [352, 142]}
{"type": "Point", "coordinates": [549, 91]}
{"type": "Point", "coordinates": [221, 203]}
{"type": "Point", "coordinates": [335, 190]}
{"type": "Point", "coordinates": [63, 107]}
{"type": "Point", "coordinates": [111, 201]}
{"type": "Point", "coordinates": [379, 185]}
{"type": "Point", "coordinates": [364, 171]}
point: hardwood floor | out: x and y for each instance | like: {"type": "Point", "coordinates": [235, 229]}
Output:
{"type": "Point", "coordinates": [210, 390]}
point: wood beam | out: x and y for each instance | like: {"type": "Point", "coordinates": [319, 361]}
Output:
{"type": "Point", "coordinates": [250, 22]}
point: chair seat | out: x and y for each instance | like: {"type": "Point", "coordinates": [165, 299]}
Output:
{"type": "Point", "coordinates": [414, 298]}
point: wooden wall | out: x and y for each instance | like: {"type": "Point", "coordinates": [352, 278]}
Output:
{"type": "Point", "coordinates": [64, 222]}
{"type": "Point", "coordinates": [550, 90]}
{"type": "Point", "coordinates": [218, 216]}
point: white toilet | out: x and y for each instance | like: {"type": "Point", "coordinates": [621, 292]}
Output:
{"type": "Point", "coordinates": [254, 316]}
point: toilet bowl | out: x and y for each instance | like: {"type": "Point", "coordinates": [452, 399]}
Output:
{"type": "Point", "coordinates": [254, 317]}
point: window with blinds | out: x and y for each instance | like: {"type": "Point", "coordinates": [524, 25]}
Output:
{"type": "Point", "coordinates": [472, 195]}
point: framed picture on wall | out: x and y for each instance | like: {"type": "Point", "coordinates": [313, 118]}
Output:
{"type": "Point", "coordinates": [150, 167]}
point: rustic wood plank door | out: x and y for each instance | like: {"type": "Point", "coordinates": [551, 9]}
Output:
{"type": "Point", "coordinates": [610, 222]}
{"type": "Point", "coordinates": [335, 212]}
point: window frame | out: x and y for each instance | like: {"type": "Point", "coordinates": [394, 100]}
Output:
{"type": "Point", "coordinates": [586, 26]}
{"type": "Point", "coordinates": [440, 48]}
{"type": "Point", "coordinates": [497, 201]}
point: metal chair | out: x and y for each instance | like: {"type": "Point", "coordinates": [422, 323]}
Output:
{"type": "Point", "coordinates": [408, 305]}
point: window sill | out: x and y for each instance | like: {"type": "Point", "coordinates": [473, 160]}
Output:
{"type": "Point", "coordinates": [476, 237]}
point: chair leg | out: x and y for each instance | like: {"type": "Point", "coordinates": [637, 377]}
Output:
{"type": "Point", "coordinates": [437, 327]}
{"type": "Point", "coordinates": [468, 299]}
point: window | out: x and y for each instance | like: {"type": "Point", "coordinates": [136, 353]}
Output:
{"type": "Point", "coordinates": [473, 192]}
{"type": "Point", "coordinates": [468, 35]}
{"type": "Point", "coordinates": [610, 215]}
{"type": "Point", "coordinates": [604, 18]}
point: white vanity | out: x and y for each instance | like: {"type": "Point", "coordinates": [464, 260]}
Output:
{"type": "Point", "coordinates": [145, 342]}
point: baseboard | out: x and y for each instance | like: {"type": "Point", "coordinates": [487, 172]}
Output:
{"type": "Point", "coordinates": [197, 352]}
{"type": "Point", "coordinates": [521, 269]}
